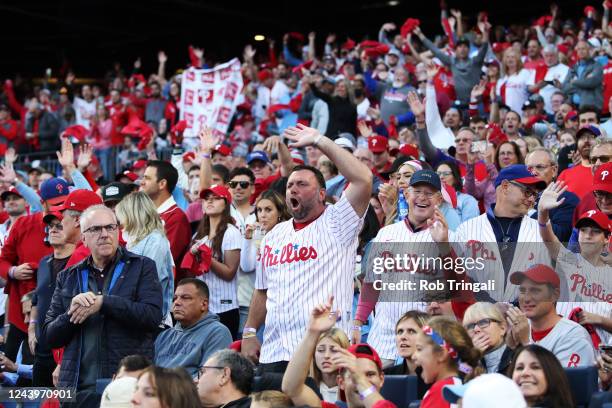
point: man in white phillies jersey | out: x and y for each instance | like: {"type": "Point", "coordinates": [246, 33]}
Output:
{"type": "Point", "coordinates": [416, 234]}
{"type": "Point", "coordinates": [505, 237]}
{"type": "Point", "coordinates": [538, 293]}
{"type": "Point", "coordinates": [307, 259]}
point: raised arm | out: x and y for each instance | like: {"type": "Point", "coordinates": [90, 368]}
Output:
{"type": "Point", "coordinates": [322, 319]}
{"type": "Point", "coordinates": [357, 174]}
{"type": "Point", "coordinates": [161, 68]}
{"type": "Point", "coordinates": [446, 60]}
{"type": "Point", "coordinates": [207, 143]}
{"type": "Point", "coordinates": [441, 136]}
{"type": "Point", "coordinates": [550, 200]}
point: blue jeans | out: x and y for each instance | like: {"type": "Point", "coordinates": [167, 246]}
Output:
{"type": "Point", "coordinates": [106, 161]}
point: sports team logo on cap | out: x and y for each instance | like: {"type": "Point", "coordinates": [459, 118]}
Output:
{"type": "Point", "coordinates": [112, 191]}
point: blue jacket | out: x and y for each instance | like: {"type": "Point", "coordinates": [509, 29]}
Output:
{"type": "Point", "coordinates": [130, 316]}
{"type": "Point", "coordinates": [190, 347]}
{"type": "Point", "coordinates": [45, 285]}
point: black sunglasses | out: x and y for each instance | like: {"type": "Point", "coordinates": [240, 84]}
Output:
{"type": "Point", "coordinates": [242, 184]}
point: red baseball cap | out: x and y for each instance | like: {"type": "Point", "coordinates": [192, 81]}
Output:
{"type": "Point", "coordinates": [378, 144]}
{"type": "Point", "coordinates": [597, 217]}
{"type": "Point", "coordinates": [11, 190]}
{"type": "Point", "coordinates": [78, 200]}
{"type": "Point", "coordinates": [366, 351]}
{"type": "Point", "coordinates": [602, 180]}
{"type": "Point", "coordinates": [538, 273]}
{"type": "Point", "coordinates": [189, 156]}
{"type": "Point", "coordinates": [222, 149]}
{"type": "Point", "coordinates": [129, 174]}
{"type": "Point", "coordinates": [219, 191]}
{"type": "Point", "coordinates": [139, 164]}
{"type": "Point", "coordinates": [408, 149]}
{"type": "Point", "coordinates": [571, 115]}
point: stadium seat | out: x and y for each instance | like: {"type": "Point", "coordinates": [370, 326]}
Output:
{"type": "Point", "coordinates": [600, 400]}
{"type": "Point", "coordinates": [607, 405]}
{"type": "Point", "coordinates": [583, 383]}
{"type": "Point", "coordinates": [101, 384]}
{"type": "Point", "coordinates": [400, 389]}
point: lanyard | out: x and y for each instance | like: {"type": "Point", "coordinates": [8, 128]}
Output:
{"type": "Point", "coordinates": [116, 274]}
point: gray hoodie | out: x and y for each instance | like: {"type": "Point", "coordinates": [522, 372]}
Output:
{"type": "Point", "coordinates": [190, 347]}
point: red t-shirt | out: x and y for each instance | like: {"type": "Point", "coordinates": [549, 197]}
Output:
{"type": "Point", "coordinates": [607, 90]}
{"type": "Point", "coordinates": [433, 397]}
{"type": "Point", "coordinates": [579, 179]}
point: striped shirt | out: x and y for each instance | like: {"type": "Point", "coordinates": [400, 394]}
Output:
{"type": "Point", "coordinates": [301, 269]}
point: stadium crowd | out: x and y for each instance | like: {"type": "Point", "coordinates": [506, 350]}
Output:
{"type": "Point", "coordinates": [143, 272]}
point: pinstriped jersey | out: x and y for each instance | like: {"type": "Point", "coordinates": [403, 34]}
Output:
{"type": "Point", "coordinates": [301, 269]}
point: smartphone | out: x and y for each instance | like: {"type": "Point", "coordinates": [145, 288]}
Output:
{"type": "Point", "coordinates": [605, 349]}
{"type": "Point", "coordinates": [479, 146]}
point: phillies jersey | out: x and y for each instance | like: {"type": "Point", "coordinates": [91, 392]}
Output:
{"type": "Point", "coordinates": [387, 313]}
{"type": "Point", "coordinates": [302, 269]}
{"type": "Point", "coordinates": [434, 398]}
{"type": "Point", "coordinates": [223, 294]}
{"type": "Point", "coordinates": [570, 343]}
{"type": "Point", "coordinates": [475, 238]}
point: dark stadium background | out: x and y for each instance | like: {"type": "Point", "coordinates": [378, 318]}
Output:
{"type": "Point", "coordinates": [89, 35]}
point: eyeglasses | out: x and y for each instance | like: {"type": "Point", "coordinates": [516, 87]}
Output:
{"type": "Point", "coordinates": [422, 81]}
{"type": "Point", "coordinates": [56, 225]}
{"type": "Point", "coordinates": [527, 192]}
{"type": "Point", "coordinates": [421, 193]}
{"type": "Point", "coordinates": [602, 159]}
{"type": "Point", "coordinates": [202, 370]}
{"type": "Point", "coordinates": [242, 184]}
{"type": "Point", "coordinates": [538, 167]}
{"type": "Point", "coordinates": [482, 323]}
{"type": "Point", "coordinates": [445, 173]}
{"type": "Point", "coordinates": [97, 229]}
{"type": "Point", "coordinates": [464, 140]}
{"type": "Point", "coordinates": [600, 195]}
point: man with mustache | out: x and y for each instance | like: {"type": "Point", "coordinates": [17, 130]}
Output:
{"type": "Point", "coordinates": [576, 178]}
{"type": "Point", "coordinates": [304, 259]}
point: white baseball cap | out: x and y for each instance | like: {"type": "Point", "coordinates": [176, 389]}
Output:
{"type": "Point", "coordinates": [488, 390]}
{"type": "Point", "coordinates": [118, 394]}
{"type": "Point", "coordinates": [345, 142]}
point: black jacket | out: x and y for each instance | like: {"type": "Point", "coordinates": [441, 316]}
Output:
{"type": "Point", "coordinates": [130, 316]}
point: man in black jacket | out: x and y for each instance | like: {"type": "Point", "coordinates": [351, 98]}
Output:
{"type": "Point", "coordinates": [46, 275]}
{"type": "Point", "coordinates": [106, 307]}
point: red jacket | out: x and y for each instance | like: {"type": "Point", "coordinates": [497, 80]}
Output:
{"type": "Point", "coordinates": [25, 244]}
{"type": "Point", "coordinates": [118, 115]}
{"type": "Point", "coordinates": [178, 232]}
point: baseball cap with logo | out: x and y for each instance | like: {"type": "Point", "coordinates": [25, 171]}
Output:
{"type": "Point", "coordinates": [78, 200]}
{"type": "Point", "coordinates": [378, 144]}
{"type": "Point", "coordinates": [54, 191]}
{"type": "Point", "coordinates": [257, 155]}
{"type": "Point", "coordinates": [520, 174]}
{"type": "Point", "coordinates": [222, 149]}
{"type": "Point", "coordinates": [426, 177]}
{"type": "Point", "coordinates": [597, 217]}
{"type": "Point", "coordinates": [139, 164]}
{"type": "Point", "coordinates": [366, 351]}
{"type": "Point", "coordinates": [116, 191]}
{"type": "Point", "coordinates": [602, 179]}
{"type": "Point", "coordinates": [218, 190]}
{"type": "Point", "coordinates": [129, 174]}
{"type": "Point", "coordinates": [12, 190]}
{"type": "Point", "coordinates": [538, 273]}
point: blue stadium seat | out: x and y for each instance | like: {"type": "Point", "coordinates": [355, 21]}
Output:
{"type": "Point", "coordinates": [607, 405]}
{"type": "Point", "coordinates": [600, 399]}
{"type": "Point", "coordinates": [583, 383]}
{"type": "Point", "coordinates": [101, 384]}
{"type": "Point", "coordinates": [400, 389]}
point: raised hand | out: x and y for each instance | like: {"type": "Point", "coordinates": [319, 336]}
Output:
{"type": "Point", "coordinates": [432, 70]}
{"type": "Point", "coordinates": [479, 89]}
{"type": "Point", "coordinates": [66, 156]}
{"type": "Point", "coordinates": [331, 37]}
{"type": "Point", "coordinates": [208, 140]}
{"type": "Point", "coordinates": [85, 156]}
{"type": "Point", "coordinates": [550, 196]}
{"type": "Point", "coordinates": [416, 106]}
{"type": "Point", "coordinates": [7, 173]}
{"type": "Point", "coordinates": [198, 52]}
{"type": "Point", "coordinates": [365, 130]}
{"type": "Point", "coordinates": [271, 144]}
{"type": "Point", "coordinates": [389, 26]}
{"type": "Point", "coordinates": [387, 195]}
{"type": "Point", "coordinates": [162, 57]}
{"type": "Point", "coordinates": [438, 227]}
{"type": "Point", "coordinates": [456, 13]}
{"type": "Point", "coordinates": [322, 317]}
{"type": "Point", "coordinates": [138, 63]}
{"type": "Point", "coordinates": [301, 135]}
{"type": "Point", "coordinates": [311, 36]}
{"type": "Point", "coordinates": [249, 52]}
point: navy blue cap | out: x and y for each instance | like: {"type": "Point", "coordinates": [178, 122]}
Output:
{"type": "Point", "coordinates": [426, 177]}
{"type": "Point", "coordinates": [54, 190]}
{"type": "Point", "coordinates": [520, 174]}
{"type": "Point", "coordinates": [257, 155]}
{"type": "Point", "coordinates": [588, 129]}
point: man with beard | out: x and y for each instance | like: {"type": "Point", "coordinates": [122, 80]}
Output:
{"type": "Point", "coordinates": [307, 258]}
{"type": "Point", "coordinates": [576, 177]}
{"type": "Point", "coordinates": [15, 206]}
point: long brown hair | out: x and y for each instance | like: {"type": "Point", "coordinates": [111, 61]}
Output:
{"type": "Point", "coordinates": [173, 387]}
{"type": "Point", "coordinates": [278, 201]}
{"type": "Point", "coordinates": [217, 241]}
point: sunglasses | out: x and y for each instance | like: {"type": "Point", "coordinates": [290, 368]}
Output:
{"type": "Point", "coordinates": [242, 184]}
{"type": "Point", "coordinates": [56, 225]}
{"type": "Point", "coordinates": [600, 195]}
{"type": "Point", "coordinates": [602, 159]}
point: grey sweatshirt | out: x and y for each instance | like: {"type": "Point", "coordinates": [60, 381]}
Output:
{"type": "Point", "coordinates": [190, 347]}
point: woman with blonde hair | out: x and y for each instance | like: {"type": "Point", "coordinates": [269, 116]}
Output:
{"type": "Point", "coordinates": [487, 327]}
{"type": "Point", "coordinates": [144, 234]}
{"type": "Point", "coordinates": [322, 369]}
{"type": "Point", "coordinates": [512, 88]}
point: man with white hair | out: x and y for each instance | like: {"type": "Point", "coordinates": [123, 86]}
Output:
{"type": "Point", "coordinates": [544, 79]}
